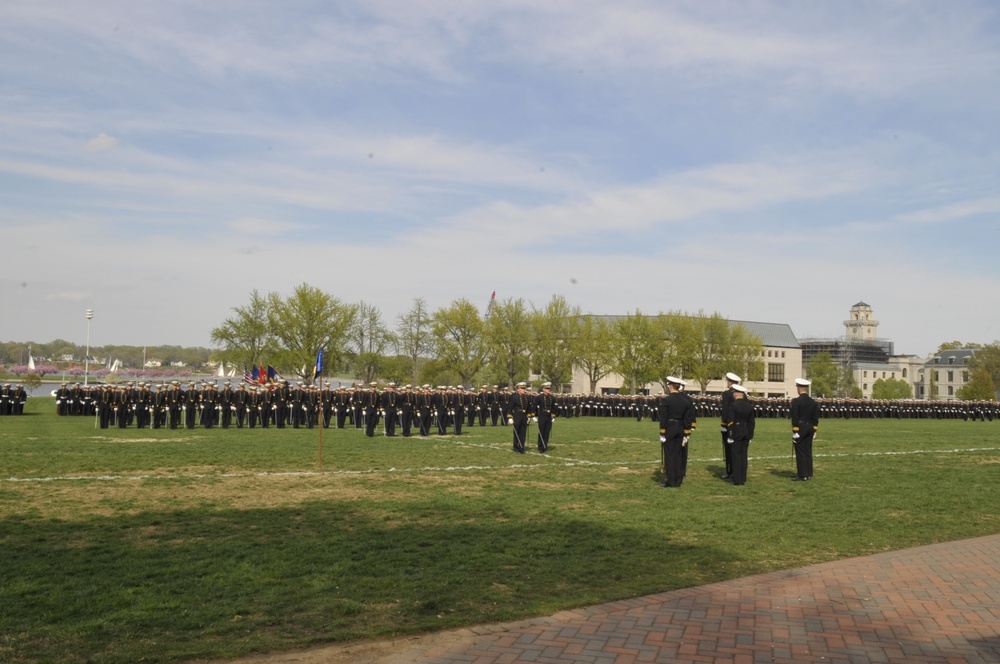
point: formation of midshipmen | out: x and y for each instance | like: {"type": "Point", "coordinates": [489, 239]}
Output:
{"type": "Point", "coordinates": [12, 399]}
{"type": "Point", "coordinates": [420, 410]}
{"type": "Point", "coordinates": [408, 410]}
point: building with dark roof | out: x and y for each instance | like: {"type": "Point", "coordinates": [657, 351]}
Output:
{"type": "Point", "coordinates": [943, 375]}
{"type": "Point", "coordinates": [782, 358]}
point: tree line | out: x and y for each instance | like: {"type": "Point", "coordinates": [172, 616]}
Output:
{"type": "Point", "coordinates": [459, 345]}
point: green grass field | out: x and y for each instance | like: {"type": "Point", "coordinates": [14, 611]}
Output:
{"type": "Point", "coordinates": [126, 545]}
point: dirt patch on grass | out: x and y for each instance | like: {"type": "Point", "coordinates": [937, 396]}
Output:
{"type": "Point", "coordinates": [401, 650]}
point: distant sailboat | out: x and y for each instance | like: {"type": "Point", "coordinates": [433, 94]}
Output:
{"type": "Point", "coordinates": [31, 361]}
{"type": "Point", "coordinates": [222, 370]}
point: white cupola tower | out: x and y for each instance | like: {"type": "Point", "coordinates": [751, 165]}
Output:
{"type": "Point", "coordinates": [861, 327]}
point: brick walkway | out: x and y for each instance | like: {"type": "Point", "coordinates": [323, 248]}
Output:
{"type": "Point", "coordinates": [938, 603]}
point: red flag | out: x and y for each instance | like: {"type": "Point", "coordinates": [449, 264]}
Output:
{"type": "Point", "coordinates": [263, 375]}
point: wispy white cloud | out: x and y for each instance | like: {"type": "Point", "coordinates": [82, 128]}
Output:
{"type": "Point", "coordinates": [953, 212]}
{"type": "Point", "coordinates": [101, 143]}
{"type": "Point", "coordinates": [388, 150]}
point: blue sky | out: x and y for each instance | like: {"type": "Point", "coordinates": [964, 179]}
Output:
{"type": "Point", "coordinates": [770, 161]}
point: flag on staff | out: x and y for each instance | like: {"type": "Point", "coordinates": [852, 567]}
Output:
{"type": "Point", "coordinates": [319, 364]}
{"type": "Point", "coordinates": [489, 307]}
{"type": "Point", "coordinates": [261, 375]}
{"type": "Point", "coordinates": [248, 377]}
{"type": "Point", "coordinates": [272, 375]}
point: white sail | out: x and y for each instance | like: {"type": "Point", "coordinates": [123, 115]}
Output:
{"type": "Point", "coordinates": [222, 370]}
{"type": "Point", "coordinates": [31, 360]}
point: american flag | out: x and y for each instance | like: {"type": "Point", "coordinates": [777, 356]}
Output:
{"type": "Point", "coordinates": [247, 376]}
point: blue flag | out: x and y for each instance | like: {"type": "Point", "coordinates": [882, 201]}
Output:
{"type": "Point", "coordinates": [319, 363]}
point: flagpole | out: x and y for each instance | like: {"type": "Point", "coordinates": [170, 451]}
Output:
{"type": "Point", "coordinates": [318, 374]}
{"type": "Point", "coordinates": [320, 418]}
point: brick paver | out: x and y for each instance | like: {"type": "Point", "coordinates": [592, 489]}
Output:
{"type": "Point", "coordinates": [938, 603]}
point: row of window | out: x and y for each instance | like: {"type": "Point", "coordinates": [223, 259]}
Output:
{"type": "Point", "coordinates": [951, 376]}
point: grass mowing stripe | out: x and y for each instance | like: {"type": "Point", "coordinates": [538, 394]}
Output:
{"type": "Point", "coordinates": [373, 471]}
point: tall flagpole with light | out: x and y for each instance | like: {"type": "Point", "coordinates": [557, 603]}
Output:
{"type": "Point", "coordinates": [86, 358]}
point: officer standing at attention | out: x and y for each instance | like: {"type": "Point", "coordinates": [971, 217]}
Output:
{"type": "Point", "coordinates": [545, 407]}
{"type": "Point", "coordinates": [805, 421]}
{"type": "Point", "coordinates": [726, 403]}
{"type": "Point", "coordinates": [519, 410]}
{"type": "Point", "coordinates": [741, 428]}
{"type": "Point", "coordinates": [676, 418]}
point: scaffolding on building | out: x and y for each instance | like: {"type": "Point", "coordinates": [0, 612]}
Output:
{"type": "Point", "coordinates": [847, 353]}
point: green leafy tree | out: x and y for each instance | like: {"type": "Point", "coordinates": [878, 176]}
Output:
{"type": "Point", "coordinates": [31, 381]}
{"type": "Point", "coordinates": [710, 346]}
{"type": "Point", "coordinates": [846, 385]}
{"type": "Point", "coordinates": [309, 319]}
{"type": "Point", "coordinates": [244, 338]}
{"type": "Point", "coordinates": [987, 360]}
{"type": "Point", "coordinates": [680, 342]}
{"type": "Point", "coordinates": [369, 339]}
{"type": "Point", "coordinates": [397, 369]}
{"type": "Point", "coordinates": [592, 348]}
{"type": "Point", "coordinates": [824, 374]}
{"type": "Point", "coordinates": [635, 349]}
{"type": "Point", "coordinates": [555, 328]}
{"type": "Point", "coordinates": [508, 334]}
{"type": "Point", "coordinates": [979, 388]}
{"type": "Point", "coordinates": [414, 336]}
{"type": "Point", "coordinates": [891, 388]}
{"type": "Point", "coordinates": [741, 349]}
{"type": "Point", "coordinates": [458, 340]}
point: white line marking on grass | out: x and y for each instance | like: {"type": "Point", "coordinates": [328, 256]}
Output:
{"type": "Point", "coordinates": [565, 462]}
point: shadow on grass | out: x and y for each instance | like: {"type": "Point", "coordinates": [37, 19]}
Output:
{"type": "Point", "coordinates": [205, 583]}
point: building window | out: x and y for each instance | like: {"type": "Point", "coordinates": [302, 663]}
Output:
{"type": "Point", "coordinates": [965, 376]}
{"type": "Point", "coordinates": [904, 373]}
{"type": "Point", "coordinates": [951, 391]}
{"type": "Point", "coordinates": [951, 376]}
{"type": "Point", "coordinates": [782, 354]}
{"type": "Point", "coordinates": [775, 373]}
{"type": "Point", "coordinates": [864, 374]}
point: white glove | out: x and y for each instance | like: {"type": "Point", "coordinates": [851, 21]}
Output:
{"type": "Point", "coordinates": [723, 430]}
{"type": "Point", "coordinates": [534, 419]}
{"type": "Point", "coordinates": [184, 407]}
{"type": "Point", "coordinates": [663, 439]}
{"type": "Point", "coordinates": [729, 440]}
{"type": "Point", "coordinates": [684, 440]}
{"type": "Point", "coordinates": [795, 436]}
